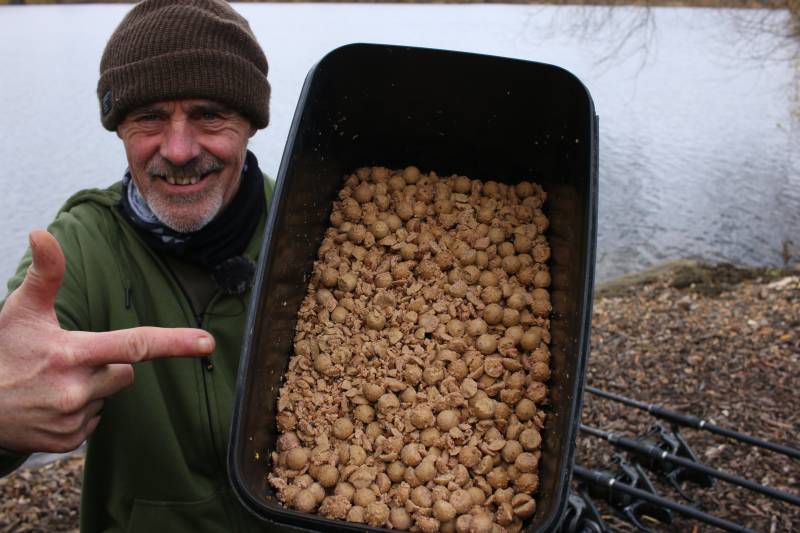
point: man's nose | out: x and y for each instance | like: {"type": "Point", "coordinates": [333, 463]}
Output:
{"type": "Point", "coordinates": [179, 145]}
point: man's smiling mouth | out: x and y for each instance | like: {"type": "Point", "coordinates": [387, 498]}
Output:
{"type": "Point", "coordinates": [182, 180]}
{"type": "Point", "coordinates": [191, 173]}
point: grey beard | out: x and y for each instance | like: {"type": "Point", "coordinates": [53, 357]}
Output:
{"type": "Point", "coordinates": [154, 211]}
{"type": "Point", "coordinates": [163, 212]}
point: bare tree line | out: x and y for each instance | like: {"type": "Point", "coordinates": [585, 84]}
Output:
{"type": "Point", "coordinates": [767, 30]}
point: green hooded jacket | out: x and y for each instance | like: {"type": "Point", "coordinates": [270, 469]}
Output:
{"type": "Point", "coordinates": [157, 460]}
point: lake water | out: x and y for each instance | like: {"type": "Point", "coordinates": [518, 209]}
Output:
{"type": "Point", "coordinates": [698, 117]}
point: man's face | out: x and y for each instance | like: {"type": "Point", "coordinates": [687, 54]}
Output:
{"type": "Point", "coordinates": [186, 157]}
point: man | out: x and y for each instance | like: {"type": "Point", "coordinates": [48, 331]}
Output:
{"type": "Point", "coordinates": [149, 277]}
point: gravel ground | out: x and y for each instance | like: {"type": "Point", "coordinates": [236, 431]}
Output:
{"type": "Point", "coordinates": [42, 499]}
{"type": "Point", "coordinates": [720, 343]}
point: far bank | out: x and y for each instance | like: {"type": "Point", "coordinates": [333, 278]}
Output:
{"type": "Point", "coordinates": [793, 5]}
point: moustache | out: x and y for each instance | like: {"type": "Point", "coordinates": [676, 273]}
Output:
{"type": "Point", "coordinates": [199, 166]}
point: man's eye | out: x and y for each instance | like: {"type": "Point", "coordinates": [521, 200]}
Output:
{"type": "Point", "coordinates": [151, 117]}
{"type": "Point", "coordinates": [211, 115]}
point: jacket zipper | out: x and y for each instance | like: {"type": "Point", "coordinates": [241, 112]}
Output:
{"type": "Point", "coordinates": [206, 375]}
{"type": "Point", "coordinates": [205, 360]}
{"type": "Point", "coordinates": [207, 367]}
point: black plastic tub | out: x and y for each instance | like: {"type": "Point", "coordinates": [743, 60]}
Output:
{"type": "Point", "coordinates": [451, 112]}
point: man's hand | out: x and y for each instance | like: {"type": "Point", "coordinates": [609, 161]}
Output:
{"type": "Point", "coordinates": [53, 382]}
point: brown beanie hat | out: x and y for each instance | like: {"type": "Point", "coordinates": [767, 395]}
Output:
{"type": "Point", "coordinates": [171, 49]}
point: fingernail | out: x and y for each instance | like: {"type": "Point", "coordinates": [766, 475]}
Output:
{"type": "Point", "coordinates": [204, 344]}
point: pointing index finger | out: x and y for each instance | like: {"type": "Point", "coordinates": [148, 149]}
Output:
{"type": "Point", "coordinates": [141, 344]}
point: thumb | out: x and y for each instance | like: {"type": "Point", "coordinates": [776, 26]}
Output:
{"type": "Point", "coordinates": [41, 284]}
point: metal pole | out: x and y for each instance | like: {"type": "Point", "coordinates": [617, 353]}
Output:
{"type": "Point", "coordinates": [606, 480]}
{"type": "Point", "coordinates": [695, 422]}
{"type": "Point", "coordinates": [660, 455]}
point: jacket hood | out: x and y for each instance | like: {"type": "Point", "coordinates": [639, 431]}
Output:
{"type": "Point", "coordinates": [106, 197]}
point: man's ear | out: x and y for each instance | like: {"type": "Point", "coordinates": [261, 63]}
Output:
{"type": "Point", "coordinates": [252, 132]}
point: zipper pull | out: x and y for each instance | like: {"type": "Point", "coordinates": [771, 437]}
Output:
{"type": "Point", "coordinates": [128, 294]}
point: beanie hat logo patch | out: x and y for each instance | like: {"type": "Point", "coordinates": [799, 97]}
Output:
{"type": "Point", "coordinates": [106, 102]}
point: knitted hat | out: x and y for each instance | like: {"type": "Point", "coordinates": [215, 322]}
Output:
{"type": "Point", "coordinates": [172, 49]}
